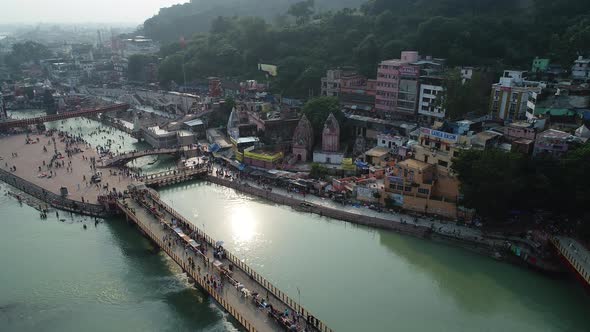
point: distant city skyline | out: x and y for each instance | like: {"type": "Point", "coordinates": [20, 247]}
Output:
{"type": "Point", "coordinates": [80, 11]}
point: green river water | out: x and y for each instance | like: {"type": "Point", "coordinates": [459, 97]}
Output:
{"type": "Point", "coordinates": [56, 276]}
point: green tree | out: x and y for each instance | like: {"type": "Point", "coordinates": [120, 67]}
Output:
{"type": "Point", "coordinates": [301, 10]}
{"type": "Point", "coordinates": [492, 181]}
{"type": "Point", "coordinates": [318, 171]}
{"type": "Point", "coordinates": [24, 52]}
{"type": "Point", "coordinates": [463, 96]}
{"type": "Point", "coordinates": [317, 111]}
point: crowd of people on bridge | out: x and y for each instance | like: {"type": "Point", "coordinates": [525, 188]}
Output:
{"type": "Point", "coordinates": [178, 234]}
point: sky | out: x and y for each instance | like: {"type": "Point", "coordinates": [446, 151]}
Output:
{"type": "Point", "coordinates": [80, 11]}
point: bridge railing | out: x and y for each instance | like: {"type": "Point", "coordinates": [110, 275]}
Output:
{"type": "Point", "coordinates": [243, 321]}
{"type": "Point", "coordinates": [296, 306]}
{"type": "Point", "coordinates": [571, 259]}
{"type": "Point", "coordinates": [51, 198]}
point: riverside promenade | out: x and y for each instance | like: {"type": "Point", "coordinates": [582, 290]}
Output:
{"type": "Point", "coordinates": [253, 301]}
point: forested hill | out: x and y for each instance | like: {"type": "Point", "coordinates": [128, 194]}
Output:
{"type": "Point", "coordinates": [196, 16]}
{"type": "Point", "coordinates": [492, 33]}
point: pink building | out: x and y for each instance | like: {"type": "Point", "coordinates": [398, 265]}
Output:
{"type": "Point", "coordinates": [397, 86]}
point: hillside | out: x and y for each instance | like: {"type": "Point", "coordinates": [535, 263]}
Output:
{"type": "Point", "coordinates": [196, 16]}
{"type": "Point", "coordinates": [497, 34]}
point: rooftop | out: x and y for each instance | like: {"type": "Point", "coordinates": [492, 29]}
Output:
{"type": "Point", "coordinates": [552, 133]}
{"type": "Point", "coordinates": [377, 151]}
{"type": "Point", "coordinates": [195, 122]}
{"type": "Point", "coordinates": [414, 164]}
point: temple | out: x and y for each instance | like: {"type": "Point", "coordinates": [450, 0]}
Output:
{"type": "Point", "coordinates": [330, 154]}
{"type": "Point", "coordinates": [303, 140]}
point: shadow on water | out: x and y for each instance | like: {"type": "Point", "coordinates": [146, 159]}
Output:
{"type": "Point", "coordinates": [481, 285]}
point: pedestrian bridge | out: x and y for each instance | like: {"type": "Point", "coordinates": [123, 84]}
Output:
{"type": "Point", "coordinates": [61, 116]}
{"type": "Point", "coordinates": [173, 177]}
{"type": "Point", "coordinates": [124, 158]}
{"type": "Point", "coordinates": [253, 301]}
{"type": "Point", "coordinates": [575, 255]}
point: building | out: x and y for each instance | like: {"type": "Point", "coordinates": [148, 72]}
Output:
{"type": "Point", "coordinates": [262, 158]}
{"type": "Point", "coordinates": [518, 130]}
{"type": "Point", "coordinates": [332, 82]}
{"type": "Point", "coordinates": [513, 96]}
{"type": "Point", "coordinates": [377, 156]}
{"type": "Point", "coordinates": [439, 148]}
{"type": "Point", "coordinates": [357, 94]}
{"type": "Point", "coordinates": [330, 151]}
{"type": "Point", "coordinates": [581, 68]}
{"type": "Point", "coordinates": [397, 86]}
{"type": "Point", "coordinates": [303, 140]}
{"type": "Point", "coordinates": [418, 186]}
{"type": "Point", "coordinates": [159, 138]}
{"type": "Point", "coordinates": [552, 142]}
{"type": "Point", "coordinates": [430, 100]}
{"type": "Point", "coordinates": [196, 126]}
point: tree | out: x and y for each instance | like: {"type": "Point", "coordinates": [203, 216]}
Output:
{"type": "Point", "coordinates": [463, 96]}
{"type": "Point", "coordinates": [302, 11]}
{"type": "Point", "coordinates": [28, 51]}
{"type": "Point", "coordinates": [317, 111]}
{"type": "Point", "coordinates": [492, 181]}
{"type": "Point", "coordinates": [318, 171]}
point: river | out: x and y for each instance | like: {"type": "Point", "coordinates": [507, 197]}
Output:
{"type": "Point", "coordinates": [57, 276]}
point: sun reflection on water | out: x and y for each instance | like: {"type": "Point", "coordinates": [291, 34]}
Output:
{"type": "Point", "coordinates": [243, 224]}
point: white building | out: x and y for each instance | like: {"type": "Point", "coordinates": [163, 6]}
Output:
{"type": "Point", "coordinates": [429, 109]}
{"type": "Point", "coordinates": [513, 96]}
{"type": "Point", "coordinates": [391, 142]}
{"type": "Point", "coordinates": [331, 83]}
{"type": "Point", "coordinates": [159, 138]}
{"type": "Point", "coordinates": [581, 68]}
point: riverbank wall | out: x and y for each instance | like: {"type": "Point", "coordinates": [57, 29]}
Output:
{"type": "Point", "coordinates": [56, 201]}
{"type": "Point", "coordinates": [410, 229]}
{"type": "Point", "coordinates": [475, 245]}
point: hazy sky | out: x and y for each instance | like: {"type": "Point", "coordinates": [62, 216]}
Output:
{"type": "Point", "coordinates": [77, 11]}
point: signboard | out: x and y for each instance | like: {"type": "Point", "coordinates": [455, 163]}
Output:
{"type": "Point", "coordinates": [409, 70]}
{"type": "Point", "coordinates": [269, 69]}
{"type": "Point", "coordinates": [396, 179]}
{"type": "Point", "coordinates": [440, 135]}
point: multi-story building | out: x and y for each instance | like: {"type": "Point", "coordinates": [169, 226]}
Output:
{"type": "Point", "coordinates": [397, 86]}
{"type": "Point", "coordinates": [418, 186]}
{"type": "Point", "coordinates": [430, 106]}
{"type": "Point", "coordinates": [398, 82]}
{"type": "Point", "coordinates": [513, 96]}
{"type": "Point", "coordinates": [332, 82]}
{"type": "Point", "coordinates": [439, 148]}
{"type": "Point", "coordinates": [581, 68]}
{"type": "Point", "coordinates": [552, 142]}
{"type": "Point", "coordinates": [357, 93]}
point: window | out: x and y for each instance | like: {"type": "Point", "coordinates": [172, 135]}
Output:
{"type": "Point", "coordinates": [408, 188]}
{"type": "Point", "coordinates": [497, 94]}
{"type": "Point", "coordinates": [423, 191]}
{"type": "Point", "coordinates": [382, 141]}
{"type": "Point", "coordinates": [428, 91]}
{"type": "Point", "coordinates": [400, 187]}
{"type": "Point", "coordinates": [447, 147]}
{"type": "Point", "coordinates": [437, 145]}
{"type": "Point", "coordinates": [443, 163]}
{"type": "Point", "coordinates": [455, 153]}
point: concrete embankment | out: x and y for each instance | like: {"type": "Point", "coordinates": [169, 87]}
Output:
{"type": "Point", "coordinates": [410, 229]}
{"type": "Point", "coordinates": [479, 245]}
{"type": "Point", "coordinates": [52, 199]}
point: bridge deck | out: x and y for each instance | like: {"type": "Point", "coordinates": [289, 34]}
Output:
{"type": "Point", "coordinates": [61, 116]}
{"type": "Point", "coordinates": [576, 254]}
{"type": "Point", "coordinates": [245, 310]}
{"type": "Point", "coordinates": [126, 157]}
